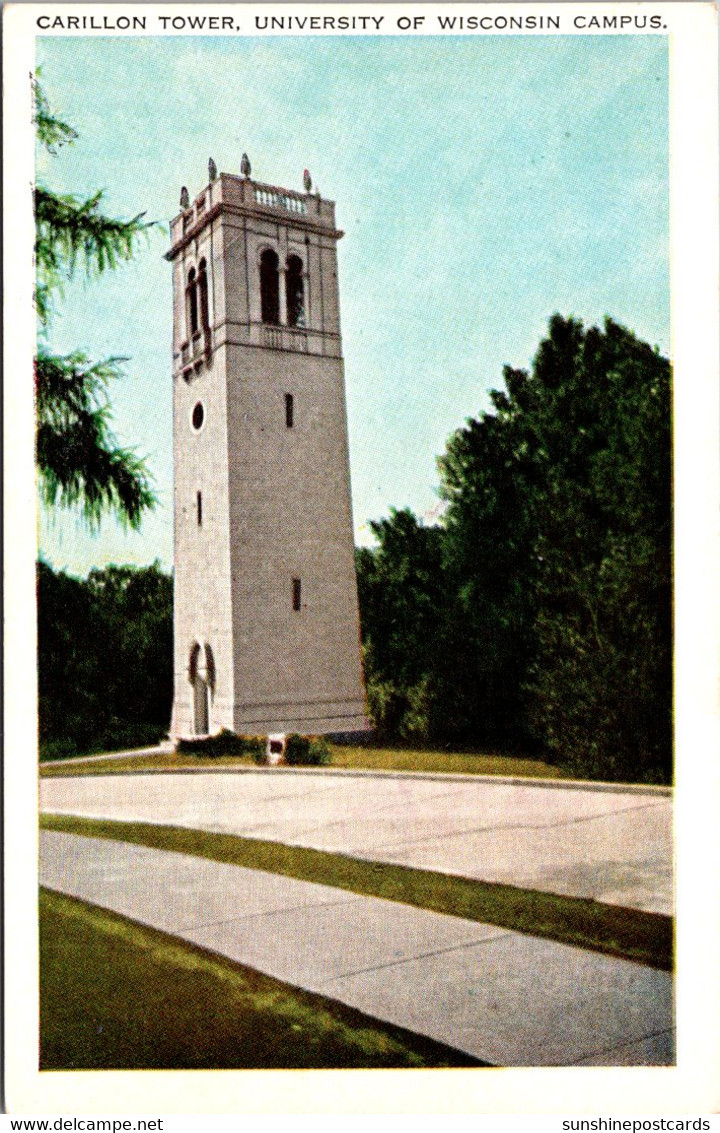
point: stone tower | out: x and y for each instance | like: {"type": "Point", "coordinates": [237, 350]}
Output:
{"type": "Point", "coordinates": [266, 615]}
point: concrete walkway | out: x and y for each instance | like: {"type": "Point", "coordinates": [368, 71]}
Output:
{"type": "Point", "coordinates": [612, 844]}
{"type": "Point", "coordinates": [158, 749]}
{"type": "Point", "coordinates": [508, 999]}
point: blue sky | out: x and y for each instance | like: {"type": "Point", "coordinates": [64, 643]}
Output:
{"type": "Point", "coordinates": [483, 182]}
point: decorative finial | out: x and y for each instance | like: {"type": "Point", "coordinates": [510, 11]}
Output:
{"type": "Point", "coordinates": [184, 198]}
{"type": "Point", "coordinates": [245, 167]}
{"type": "Point", "coordinates": [212, 170]}
{"type": "Point", "coordinates": [317, 191]}
{"type": "Point", "coordinates": [307, 180]}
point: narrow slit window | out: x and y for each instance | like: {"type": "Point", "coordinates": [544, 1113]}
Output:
{"type": "Point", "coordinates": [296, 592]}
{"type": "Point", "coordinates": [199, 509]}
{"type": "Point", "coordinates": [289, 410]}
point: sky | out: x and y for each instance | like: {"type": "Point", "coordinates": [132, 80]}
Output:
{"type": "Point", "coordinates": [483, 183]}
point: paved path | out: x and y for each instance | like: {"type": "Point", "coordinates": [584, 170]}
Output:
{"type": "Point", "coordinates": [158, 749]}
{"type": "Point", "coordinates": [505, 998]}
{"type": "Point", "coordinates": [612, 844]}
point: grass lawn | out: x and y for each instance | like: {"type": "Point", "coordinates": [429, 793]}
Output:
{"type": "Point", "coordinates": [628, 933]}
{"type": "Point", "coordinates": [464, 763]}
{"type": "Point", "coordinates": [117, 995]}
{"type": "Point", "coordinates": [357, 758]}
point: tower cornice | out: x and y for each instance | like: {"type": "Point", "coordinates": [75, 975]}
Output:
{"type": "Point", "coordinates": [242, 197]}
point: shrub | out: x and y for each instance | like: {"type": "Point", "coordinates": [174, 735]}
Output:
{"type": "Point", "coordinates": [310, 751]}
{"type": "Point", "coordinates": [297, 749]}
{"type": "Point", "coordinates": [254, 746]}
{"type": "Point", "coordinates": [224, 743]}
{"type": "Point", "coordinates": [319, 751]}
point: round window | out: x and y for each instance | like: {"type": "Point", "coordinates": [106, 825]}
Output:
{"type": "Point", "coordinates": [198, 417]}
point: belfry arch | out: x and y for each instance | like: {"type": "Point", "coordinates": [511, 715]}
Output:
{"type": "Point", "coordinates": [295, 292]}
{"type": "Point", "coordinates": [192, 303]}
{"type": "Point", "coordinates": [270, 287]}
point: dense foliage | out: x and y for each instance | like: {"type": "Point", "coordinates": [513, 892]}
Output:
{"type": "Point", "coordinates": [79, 459]}
{"type": "Point", "coordinates": [104, 659]}
{"type": "Point", "coordinates": [310, 751]}
{"type": "Point", "coordinates": [542, 607]}
{"type": "Point", "coordinates": [223, 743]}
{"type": "Point", "coordinates": [401, 589]}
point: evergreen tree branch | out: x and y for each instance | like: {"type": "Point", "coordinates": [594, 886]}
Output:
{"type": "Point", "coordinates": [71, 229]}
{"type": "Point", "coordinates": [79, 459]}
{"type": "Point", "coordinates": [78, 456]}
{"type": "Point", "coordinates": [51, 131]}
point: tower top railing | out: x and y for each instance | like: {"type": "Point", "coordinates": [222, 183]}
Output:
{"type": "Point", "coordinates": [273, 197]}
{"type": "Point", "coordinates": [242, 194]}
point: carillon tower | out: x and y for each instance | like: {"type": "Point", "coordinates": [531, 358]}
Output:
{"type": "Point", "coordinates": [266, 614]}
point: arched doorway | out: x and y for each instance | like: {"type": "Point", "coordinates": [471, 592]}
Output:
{"type": "Point", "coordinates": [201, 706]}
{"type": "Point", "coordinates": [201, 674]}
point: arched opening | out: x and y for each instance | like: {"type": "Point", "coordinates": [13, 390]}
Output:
{"type": "Point", "coordinates": [201, 692]}
{"type": "Point", "coordinates": [201, 706]}
{"type": "Point", "coordinates": [209, 667]}
{"type": "Point", "coordinates": [203, 289]}
{"type": "Point", "coordinates": [294, 292]}
{"type": "Point", "coordinates": [269, 287]}
{"type": "Point", "coordinates": [192, 303]}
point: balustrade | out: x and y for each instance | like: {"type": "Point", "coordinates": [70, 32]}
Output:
{"type": "Point", "coordinates": [274, 199]}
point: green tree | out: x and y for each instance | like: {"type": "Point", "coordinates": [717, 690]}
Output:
{"type": "Point", "coordinates": [601, 684]}
{"type": "Point", "coordinates": [104, 658]}
{"type": "Point", "coordinates": [400, 589]}
{"type": "Point", "coordinates": [135, 607]}
{"type": "Point", "coordinates": [71, 707]}
{"type": "Point", "coordinates": [79, 459]}
{"type": "Point", "coordinates": [486, 645]}
{"type": "Point", "coordinates": [559, 550]}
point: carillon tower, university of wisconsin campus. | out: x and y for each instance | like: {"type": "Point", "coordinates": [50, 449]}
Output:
{"type": "Point", "coordinates": [266, 613]}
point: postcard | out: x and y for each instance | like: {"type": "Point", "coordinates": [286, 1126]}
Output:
{"type": "Point", "coordinates": [361, 546]}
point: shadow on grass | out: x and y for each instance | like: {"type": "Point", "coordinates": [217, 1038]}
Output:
{"type": "Point", "coordinates": [116, 995]}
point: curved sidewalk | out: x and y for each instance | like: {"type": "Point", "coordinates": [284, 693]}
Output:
{"type": "Point", "coordinates": [506, 998]}
{"type": "Point", "coordinates": [613, 844]}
